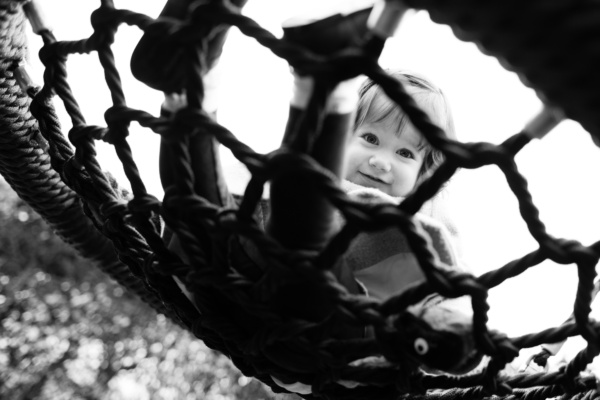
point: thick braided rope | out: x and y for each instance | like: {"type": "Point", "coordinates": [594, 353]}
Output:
{"type": "Point", "coordinates": [232, 297]}
{"type": "Point", "coordinates": [26, 164]}
{"type": "Point", "coordinates": [533, 39]}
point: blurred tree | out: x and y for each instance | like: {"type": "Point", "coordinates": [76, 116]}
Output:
{"type": "Point", "coordinates": [68, 332]}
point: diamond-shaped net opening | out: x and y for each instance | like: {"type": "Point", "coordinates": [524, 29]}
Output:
{"type": "Point", "coordinates": [263, 282]}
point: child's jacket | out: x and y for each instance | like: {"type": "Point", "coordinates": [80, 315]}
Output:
{"type": "Point", "coordinates": [382, 262]}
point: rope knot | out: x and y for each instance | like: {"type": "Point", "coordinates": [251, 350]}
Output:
{"type": "Point", "coordinates": [505, 347]}
{"type": "Point", "coordinates": [115, 134]}
{"type": "Point", "coordinates": [81, 135]}
{"type": "Point", "coordinates": [144, 203]}
{"type": "Point", "coordinates": [104, 17]}
{"type": "Point", "coordinates": [452, 283]}
{"type": "Point", "coordinates": [561, 250]}
{"type": "Point", "coordinates": [105, 26]}
{"type": "Point", "coordinates": [257, 166]}
{"type": "Point", "coordinates": [48, 55]}
{"type": "Point", "coordinates": [182, 207]}
{"type": "Point", "coordinates": [580, 253]}
{"type": "Point", "coordinates": [503, 352]}
{"type": "Point", "coordinates": [117, 114]}
{"type": "Point", "coordinates": [117, 119]}
{"type": "Point", "coordinates": [113, 208]}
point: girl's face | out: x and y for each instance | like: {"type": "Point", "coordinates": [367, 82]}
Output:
{"type": "Point", "coordinates": [378, 157]}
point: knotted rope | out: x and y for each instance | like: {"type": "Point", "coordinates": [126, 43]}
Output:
{"type": "Point", "coordinates": [252, 313]}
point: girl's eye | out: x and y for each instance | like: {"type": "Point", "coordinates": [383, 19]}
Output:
{"type": "Point", "coordinates": [370, 138]}
{"type": "Point", "coordinates": [405, 153]}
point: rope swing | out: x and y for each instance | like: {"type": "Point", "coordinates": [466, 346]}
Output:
{"type": "Point", "coordinates": [271, 283]}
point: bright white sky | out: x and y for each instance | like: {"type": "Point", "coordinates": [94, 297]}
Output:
{"type": "Point", "coordinates": [489, 104]}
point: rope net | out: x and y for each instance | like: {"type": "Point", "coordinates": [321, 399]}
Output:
{"type": "Point", "coordinates": [282, 320]}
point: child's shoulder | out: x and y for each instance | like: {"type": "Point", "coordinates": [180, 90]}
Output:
{"type": "Point", "coordinates": [441, 237]}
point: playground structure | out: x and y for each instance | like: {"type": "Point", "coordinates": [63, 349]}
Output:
{"type": "Point", "coordinates": [243, 309]}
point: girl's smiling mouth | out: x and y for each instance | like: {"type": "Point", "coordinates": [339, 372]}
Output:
{"type": "Point", "coordinates": [372, 178]}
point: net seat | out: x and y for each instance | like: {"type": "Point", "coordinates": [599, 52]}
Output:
{"type": "Point", "coordinates": [206, 276]}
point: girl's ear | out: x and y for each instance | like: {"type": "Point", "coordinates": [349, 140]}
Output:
{"type": "Point", "coordinates": [424, 174]}
{"type": "Point", "coordinates": [427, 166]}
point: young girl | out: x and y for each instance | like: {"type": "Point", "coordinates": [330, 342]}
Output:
{"type": "Point", "coordinates": [386, 151]}
{"type": "Point", "coordinates": [386, 158]}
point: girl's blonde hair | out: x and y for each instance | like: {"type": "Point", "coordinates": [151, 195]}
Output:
{"type": "Point", "coordinates": [374, 106]}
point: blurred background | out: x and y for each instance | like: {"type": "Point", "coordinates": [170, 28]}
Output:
{"type": "Point", "coordinates": [69, 332]}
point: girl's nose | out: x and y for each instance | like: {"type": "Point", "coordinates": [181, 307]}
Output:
{"type": "Point", "coordinates": [380, 164]}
